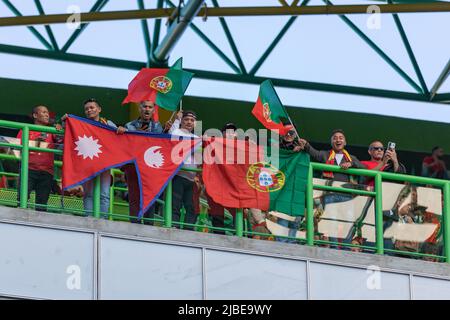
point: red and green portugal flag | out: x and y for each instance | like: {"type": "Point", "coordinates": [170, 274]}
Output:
{"type": "Point", "coordinates": [269, 110]}
{"type": "Point", "coordinates": [164, 86]}
{"type": "Point", "coordinates": [249, 182]}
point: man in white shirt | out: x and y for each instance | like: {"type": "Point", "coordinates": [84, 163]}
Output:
{"type": "Point", "coordinates": [183, 182]}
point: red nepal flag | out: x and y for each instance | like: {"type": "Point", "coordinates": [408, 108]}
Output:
{"type": "Point", "coordinates": [91, 148]}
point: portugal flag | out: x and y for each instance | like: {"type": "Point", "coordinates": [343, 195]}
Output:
{"type": "Point", "coordinates": [91, 148]}
{"type": "Point", "coordinates": [249, 182]}
{"type": "Point", "coordinates": [269, 110]}
{"type": "Point", "coordinates": [164, 86]}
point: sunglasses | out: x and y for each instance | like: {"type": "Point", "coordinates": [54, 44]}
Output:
{"type": "Point", "coordinates": [377, 148]}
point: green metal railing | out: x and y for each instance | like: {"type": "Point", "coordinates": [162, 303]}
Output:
{"type": "Point", "coordinates": [241, 227]}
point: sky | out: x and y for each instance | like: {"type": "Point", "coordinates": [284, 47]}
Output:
{"type": "Point", "coordinates": [316, 48]}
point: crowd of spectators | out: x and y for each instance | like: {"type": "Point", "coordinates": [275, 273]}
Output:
{"type": "Point", "coordinates": [187, 185]}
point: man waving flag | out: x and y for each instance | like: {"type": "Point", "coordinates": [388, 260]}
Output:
{"type": "Point", "coordinates": [91, 148]}
{"type": "Point", "coordinates": [247, 181]}
{"type": "Point", "coordinates": [163, 86]}
{"type": "Point", "coordinates": [269, 110]}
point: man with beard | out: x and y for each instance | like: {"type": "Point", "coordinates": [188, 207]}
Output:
{"type": "Point", "coordinates": [144, 123]}
{"type": "Point", "coordinates": [434, 166]}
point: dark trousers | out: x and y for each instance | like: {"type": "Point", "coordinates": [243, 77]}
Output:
{"type": "Point", "coordinates": [217, 214]}
{"type": "Point", "coordinates": [134, 197]}
{"type": "Point", "coordinates": [41, 182]}
{"type": "Point", "coordinates": [182, 195]}
{"type": "Point", "coordinates": [218, 222]}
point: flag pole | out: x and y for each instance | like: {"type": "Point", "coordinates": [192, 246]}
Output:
{"type": "Point", "coordinates": [285, 111]}
{"type": "Point", "coordinates": [293, 127]}
{"type": "Point", "coordinates": [181, 109]}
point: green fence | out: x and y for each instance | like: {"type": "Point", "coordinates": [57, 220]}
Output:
{"type": "Point", "coordinates": [119, 208]}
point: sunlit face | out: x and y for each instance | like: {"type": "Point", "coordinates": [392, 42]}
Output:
{"type": "Point", "coordinates": [376, 150]}
{"type": "Point", "coordinates": [92, 111]}
{"type": "Point", "coordinates": [338, 142]}
{"type": "Point", "coordinates": [146, 110]}
{"type": "Point", "coordinates": [188, 123]}
{"type": "Point", "coordinates": [41, 116]}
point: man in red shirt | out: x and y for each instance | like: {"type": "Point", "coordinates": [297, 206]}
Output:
{"type": "Point", "coordinates": [40, 164]}
{"type": "Point", "coordinates": [434, 166]}
{"type": "Point", "coordinates": [382, 161]}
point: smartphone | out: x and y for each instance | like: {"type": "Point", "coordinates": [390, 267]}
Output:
{"type": "Point", "coordinates": [391, 145]}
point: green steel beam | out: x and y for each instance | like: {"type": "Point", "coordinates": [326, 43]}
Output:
{"type": "Point", "coordinates": [47, 27]}
{"type": "Point", "coordinates": [229, 12]}
{"type": "Point", "coordinates": [96, 197]}
{"type": "Point", "coordinates": [379, 235]}
{"type": "Point", "coordinates": [24, 168]}
{"type": "Point", "coordinates": [239, 223]}
{"type": "Point", "coordinates": [222, 76]}
{"type": "Point", "coordinates": [146, 33]}
{"type": "Point", "coordinates": [272, 46]}
{"type": "Point", "coordinates": [274, 43]}
{"type": "Point", "coordinates": [156, 31]}
{"type": "Point", "coordinates": [32, 29]}
{"type": "Point", "coordinates": [310, 208]}
{"type": "Point", "coordinates": [72, 57]}
{"type": "Point", "coordinates": [410, 52]}
{"type": "Point", "coordinates": [377, 49]}
{"type": "Point", "coordinates": [446, 217]}
{"type": "Point", "coordinates": [180, 20]}
{"type": "Point", "coordinates": [411, 1]}
{"type": "Point", "coordinates": [211, 44]}
{"type": "Point", "coordinates": [231, 40]}
{"type": "Point", "coordinates": [168, 206]}
{"type": "Point", "coordinates": [441, 79]}
{"type": "Point", "coordinates": [215, 48]}
{"type": "Point", "coordinates": [441, 97]}
{"type": "Point", "coordinates": [315, 86]}
{"type": "Point", "coordinates": [95, 9]}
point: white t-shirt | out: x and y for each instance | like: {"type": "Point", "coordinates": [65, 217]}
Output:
{"type": "Point", "coordinates": [190, 162]}
{"type": "Point", "coordinates": [339, 157]}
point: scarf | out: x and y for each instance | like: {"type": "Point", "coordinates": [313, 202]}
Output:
{"type": "Point", "coordinates": [332, 160]}
{"type": "Point", "coordinates": [103, 120]}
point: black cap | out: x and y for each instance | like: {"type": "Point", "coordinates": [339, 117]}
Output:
{"type": "Point", "coordinates": [292, 132]}
{"type": "Point", "coordinates": [229, 125]}
{"type": "Point", "coordinates": [189, 114]}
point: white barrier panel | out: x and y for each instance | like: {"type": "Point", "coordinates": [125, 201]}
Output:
{"type": "Point", "coordinates": [330, 282]}
{"type": "Point", "coordinates": [430, 289]}
{"type": "Point", "coordinates": [243, 276]}
{"type": "Point", "coordinates": [46, 263]}
{"type": "Point", "coordinates": [142, 270]}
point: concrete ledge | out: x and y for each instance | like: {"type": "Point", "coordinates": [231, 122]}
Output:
{"type": "Point", "coordinates": [128, 230]}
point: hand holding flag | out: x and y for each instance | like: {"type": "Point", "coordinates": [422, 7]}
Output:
{"type": "Point", "coordinates": [163, 86]}
{"type": "Point", "coordinates": [270, 111]}
{"type": "Point", "coordinates": [91, 148]}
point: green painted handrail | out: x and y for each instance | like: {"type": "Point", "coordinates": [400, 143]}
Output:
{"type": "Point", "coordinates": [378, 177]}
